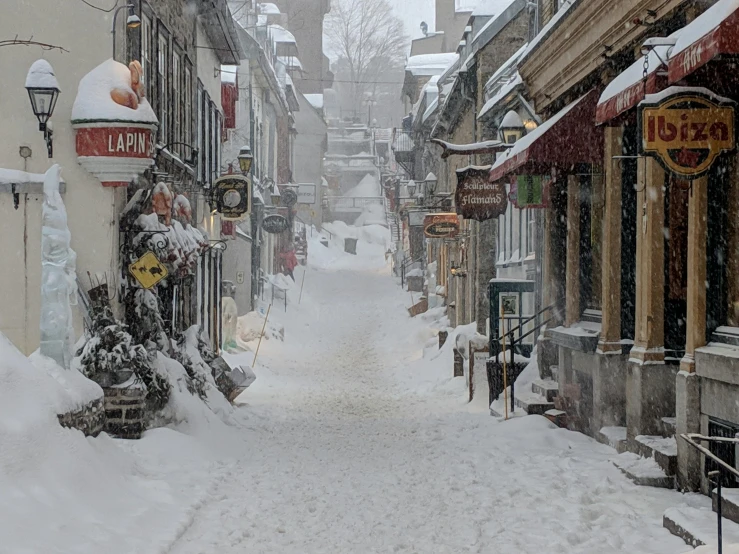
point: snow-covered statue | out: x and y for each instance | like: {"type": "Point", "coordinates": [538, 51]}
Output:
{"type": "Point", "coordinates": [58, 274]}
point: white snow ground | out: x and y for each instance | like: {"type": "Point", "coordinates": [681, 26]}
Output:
{"type": "Point", "coordinates": [354, 438]}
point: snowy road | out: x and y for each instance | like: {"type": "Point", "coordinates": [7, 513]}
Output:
{"type": "Point", "coordinates": [356, 445]}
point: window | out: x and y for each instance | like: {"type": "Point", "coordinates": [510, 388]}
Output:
{"type": "Point", "coordinates": [530, 232]}
{"type": "Point", "coordinates": [177, 102]}
{"type": "Point", "coordinates": [206, 138]}
{"type": "Point", "coordinates": [163, 84]}
{"type": "Point", "coordinates": [147, 53]}
{"type": "Point", "coordinates": [201, 132]}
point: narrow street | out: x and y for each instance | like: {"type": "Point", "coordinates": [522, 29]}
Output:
{"type": "Point", "coordinates": [352, 449]}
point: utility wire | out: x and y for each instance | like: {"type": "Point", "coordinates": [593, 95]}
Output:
{"type": "Point", "coordinates": [99, 8]}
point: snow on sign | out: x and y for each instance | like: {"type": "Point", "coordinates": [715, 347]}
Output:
{"type": "Point", "coordinates": [686, 129]}
{"type": "Point", "coordinates": [148, 270]}
{"type": "Point", "coordinates": [476, 197]}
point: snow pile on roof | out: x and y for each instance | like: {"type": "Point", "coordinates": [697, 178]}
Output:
{"type": "Point", "coordinates": [491, 7]}
{"type": "Point", "coordinates": [291, 62]}
{"type": "Point", "coordinates": [430, 64]}
{"type": "Point", "coordinates": [41, 75]}
{"type": "Point", "coordinates": [315, 100]}
{"type": "Point", "coordinates": [280, 34]}
{"type": "Point", "coordinates": [704, 24]}
{"type": "Point", "coordinates": [504, 91]}
{"type": "Point", "coordinates": [268, 8]}
{"type": "Point", "coordinates": [94, 103]}
{"type": "Point", "coordinates": [229, 73]}
{"type": "Point", "coordinates": [13, 176]}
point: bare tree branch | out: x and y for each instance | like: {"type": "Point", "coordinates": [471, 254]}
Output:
{"type": "Point", "coordinates": [30, 42]}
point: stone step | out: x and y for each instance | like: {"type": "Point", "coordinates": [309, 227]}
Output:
{"type": "Point", "coordinates": [558, 417]}
{"type": "Point", "coordinates": [669, 426]}
{"type": "Point", "coordinates": [729, 503]}
{"type": "Point", "coordinates": [532, 403]}
{"type": "Point", "coordinates": [663, 450]}
{"type": "Point", "coordinates": [546, 388]}
{"type": "Point", "coordinates": [615, 437]}
{"type": "Point", "coordinates": [643, 471]}
{"type": "Point", "coordinates": [696, 525]}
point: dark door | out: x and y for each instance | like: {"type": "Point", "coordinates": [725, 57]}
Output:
{"type": "Point", "coordinates": [677, 196]}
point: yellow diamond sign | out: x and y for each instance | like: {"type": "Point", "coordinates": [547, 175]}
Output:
{"type": "Point", "coordinates": [148, 270]}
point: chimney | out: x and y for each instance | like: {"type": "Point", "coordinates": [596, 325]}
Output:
{"type": "Point", "coordinates": [445, 10]}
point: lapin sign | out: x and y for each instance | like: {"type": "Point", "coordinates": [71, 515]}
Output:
{"type": "Point", "coordinates": [686, 129]}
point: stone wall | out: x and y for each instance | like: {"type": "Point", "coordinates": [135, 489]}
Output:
{"type": "Point", "coordinates": [125, 411]}
{"type": "Point", "coordinates": [90, 419]}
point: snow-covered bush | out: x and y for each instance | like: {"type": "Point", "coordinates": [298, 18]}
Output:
{"type": "Point", "coordinates": [110, 357]}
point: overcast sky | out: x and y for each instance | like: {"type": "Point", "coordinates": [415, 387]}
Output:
{"type": "Point", "coordinates": [412, 12]}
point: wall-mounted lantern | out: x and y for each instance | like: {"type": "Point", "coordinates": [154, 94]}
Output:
{"type": "Point", "coordinates": [43, 90]}
{"type": "Point", "coordinates": [511, 128]}
{"type": "Point", "coordinates": [245, 158]}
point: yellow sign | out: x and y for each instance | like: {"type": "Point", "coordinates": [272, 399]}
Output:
{"type": "Point", "coordinates": [148, 270]}
{"type": "Point", "coordinates": [686, 131]}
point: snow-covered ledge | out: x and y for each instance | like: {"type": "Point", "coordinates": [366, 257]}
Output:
{"type": "Point", "coordinates": [582, 336]}
{"type": "Point", "coordinates": [114, 124]}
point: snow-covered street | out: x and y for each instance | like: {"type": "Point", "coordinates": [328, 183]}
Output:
{"type": "Point", "coordinates": [355, 444]}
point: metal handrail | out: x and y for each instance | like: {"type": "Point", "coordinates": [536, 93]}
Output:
{"type": "Point", "coordinates": [691, 439]}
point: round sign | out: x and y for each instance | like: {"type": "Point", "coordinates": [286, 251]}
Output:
{"type": "Point", "coordinates": [275, 224]}
{"type": "Point", "coordinates": [232, 198]}
{"type": "Point", "coordinates": [289, 197]}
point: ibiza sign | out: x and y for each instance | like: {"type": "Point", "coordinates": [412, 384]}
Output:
{"type": "Point", "coordinates": [686, 130]}
{"type": "Point", "coordinates": [441, 225]}
{"type": "Point", "coordinates": [476, 197]}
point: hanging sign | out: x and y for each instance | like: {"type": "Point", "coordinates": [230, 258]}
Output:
{"type": "Point", "coordinates": [275, 224]}
{"type": "Point", "coordinates": [530, 191]}
{"type": "Point", "coordinates": [476, 197]}
{"type": "Point", "coordinates": [439, 226]}
{"type": "Point", "coordinates": [231, 193]}
{"type": "Point", "coordinates": [416, 218]}
{"type": "Point", "coordinates": [148, 270]}
{"type": "Point", "coordinates": [288, 196]}
{"type": "Point", "coordinates": [307, 193]}
{"type": "Point", "coordinates": [686, 130]}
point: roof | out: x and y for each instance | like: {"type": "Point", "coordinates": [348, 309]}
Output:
{"type": "Point", "coordinates": [430, 64]}
{"type": "Point", "coordinates": [704, 24]}
{"type": "Point", "coordinates": [220, 29]}
{"type": "Point", "coordinates": [315, 100]}
{"type": "Point", "coordinates": [280, 34]}
{"type": "Point", "coordinates": [268, 8]}
{"type": "Point", "coordinates": [291, 62]}
{"type": "Point", "coordinates": [508, 10]}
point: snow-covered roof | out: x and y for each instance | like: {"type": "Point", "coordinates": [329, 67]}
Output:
{"type": "Point", "coordinates": [268, 8]}
{"type": "Point", "coordinates": [564, 9]}
{"type": "Point", "coordinates": [291, 62]}
{"type": "Point", "coordinates": [512, 119]}
{"type": "Point", "coordinates": [41, 75]}
{"type": "Point", "coordinates": [16, 177]}
{"type": "Point", "coordinates": [280, 34]}
{"type": "Point", "coordinates": [432, 107]}
{"type": "Point", "coordinates": [503, 68]}
{"type": "Point", "coordinates": [504, 91]}
{"type": "Point", "coordinates": [430, 64]}
{"type": "Point", "coordinates": [704, 24]}
{"type": "Point", "coordinates": [94, 103]}
{"type": "Point", "coordinates": [635, 73]}
{"type": "Point", "coordinates": [315, 100]}
{"type": "Point", "coordinates": [506, 11]}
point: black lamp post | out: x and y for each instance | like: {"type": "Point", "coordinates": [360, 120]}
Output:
{"type": "Point", "coordinates": [132, 21]}
{"type": "Point", "coordinates": [43, 90]}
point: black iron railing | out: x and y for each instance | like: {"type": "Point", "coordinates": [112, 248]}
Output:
{"type": "Point", "coordinates": [496, 381]}
{"type": "Point", "coordinates": [718, 475]}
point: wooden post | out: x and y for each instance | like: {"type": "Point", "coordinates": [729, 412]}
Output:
{"type": "Point", "coordinates": [302, 282]}
{"type": "Point", "coordinates": [697, 233]}
{"type": "Point", "coordinates": [266, 317]}
{"type": "Point", "coordinates": [610, 338]}
{"type": "Point", "coordinates": [572, 309]}
{"type": "Point", "coordinates": [650, 263]}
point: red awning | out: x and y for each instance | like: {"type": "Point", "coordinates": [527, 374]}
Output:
{"type": "Point", "coordinates": [570, 137]}
{"type": "Point", "coordinates": [714, 33]}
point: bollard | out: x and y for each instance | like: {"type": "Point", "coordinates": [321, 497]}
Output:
{"type": "Point", "coordinates": [458, 364]}
{"type": "Point", "coordinates": [443, 335]}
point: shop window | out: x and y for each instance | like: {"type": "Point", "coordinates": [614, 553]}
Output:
{"type": "Point", "coordinates": [721, 251]}
{"type": "Point", "coordinates": [147, 53]}
{"type": "Point", "coordinates": [206, 138]}
{"type": "Point", "coordinates": [530, 232]}
{"type": "Point", "coordinates": [176, 102]}
{"type": "Point", "coordinates": [187, 115]}
{"type": "Point", "coordinates": [591, 237]}
{"type": "Point", "coordinates": [163, 101]}
{"type": "Point", "coordinates": [200, 132]}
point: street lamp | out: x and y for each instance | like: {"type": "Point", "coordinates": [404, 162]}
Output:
{"type": "Point", "coordinates": [245, 158]}
{"type": "Point", "coordinates": [511, 128]}
{"type": "Point", "coordinates": [411, 186]}
{"type": "Point", "coordinates": [431, 182]}
{"type": "Point", "coordinates": [132, 21]}
{"type": "Point", "coordinates": [43, 91]}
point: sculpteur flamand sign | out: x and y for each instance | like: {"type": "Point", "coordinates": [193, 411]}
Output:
{"type": "Point", "coordinates": [686, 129]}
{"type": "Point", "coordinates": [476, 197]}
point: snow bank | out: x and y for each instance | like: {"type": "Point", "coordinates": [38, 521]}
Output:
{"type": "Point", "coordinates": [374, 214]}
{"type": "Point", "coordinates": [250, 328]}
{"type": "Point", "coordinates": [368, 186]}
{"type": "Point", "coordinates": [76, 389]}
{"type": "Point", "coordinates": [94, 102]}
{"type": "Point", "coordinates": [373, 241]}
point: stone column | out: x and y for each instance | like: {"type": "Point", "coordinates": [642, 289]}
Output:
{"type": "Point", "coordinates": [610, 337]}
{"type": "Point", "coordinates": [572, 307]}
{"type": "Point", "coordinates": [697, 233]}
{"type": "Point", "coordinates": [650, 262]}
{"type": "Point", "coordinates": [687, 385]}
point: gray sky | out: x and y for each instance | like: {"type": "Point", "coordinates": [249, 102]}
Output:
{"type": "Point", "coordinates": [412, 12]}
